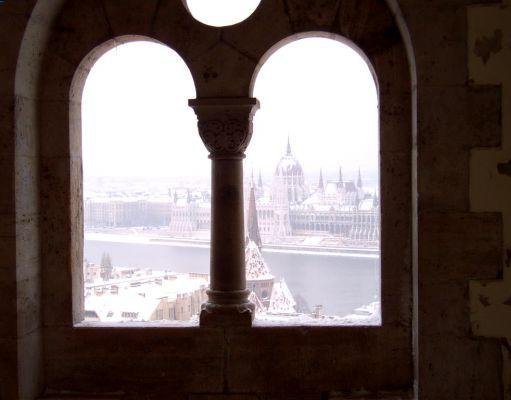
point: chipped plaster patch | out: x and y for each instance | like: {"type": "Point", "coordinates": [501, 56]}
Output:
{"type": "Point", "coordinates": [504, 168]}
{"type": "Point", "coordinates": [484, 300]}
{"type": "Point", "coordinates": [485, 46]}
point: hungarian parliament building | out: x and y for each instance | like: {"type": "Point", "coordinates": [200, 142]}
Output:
{"type": "Point", "coordinates": [330, 213]}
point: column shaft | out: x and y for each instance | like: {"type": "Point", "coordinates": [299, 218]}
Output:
{"type": "Point", "coordinates": [225, 127]}
{"type": "Point", "coordinates": [227, 228]}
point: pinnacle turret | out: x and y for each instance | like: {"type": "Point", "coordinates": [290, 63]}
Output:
{"type": "Point", "coordinates": [253, 225]}
{"type": "Point", "coordinates": [321, 185]}
{"type": "Point", "coordinates": [340, 183]}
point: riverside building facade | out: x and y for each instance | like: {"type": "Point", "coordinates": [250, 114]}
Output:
{"type": "Point", "coordinates": [340, 212]}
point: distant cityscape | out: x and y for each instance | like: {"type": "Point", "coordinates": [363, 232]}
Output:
{"type": "Point", "coordinates": [285, 212]}
{"type": "Point", "coordinates": [333, 213]}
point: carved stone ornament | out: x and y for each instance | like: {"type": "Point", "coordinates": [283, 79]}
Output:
{"type": "Point", "coordinates": [225, 124]}
{"type": "Point", "coordinates": [227, 309]}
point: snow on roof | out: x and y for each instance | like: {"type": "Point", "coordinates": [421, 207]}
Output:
{"type": "Point", "coordinates": [159, 199]}
{"type": "Point", "coordinates": [140, 301]}
{"type": "Point", "coordinates": [366, 205]}
{"type": "Point", "coordinates": [256, 267]}
{"type": "Point", "coordinates": [314, 198]}
{"type": "Point", "coordinates": [111, 307]}
{"type": "Point", "coordinates": [181, 203]}
{"type": "Point", "coordinates": [281, 300]}
{"type": "Point", "coordinates": [265, 199]}
{"type": "Point", "coordinates": [288, 165]}
{"type": "Point", "coordinates": [186, 283]}
{"type": "Point", "coordinates": [259, 306]}
{"type": "Point", "coordinates": [369, 315]}
{"type": "Point", "coordinates": [322, 207]}
{"type": "Point", "coordinates": [332, 188]}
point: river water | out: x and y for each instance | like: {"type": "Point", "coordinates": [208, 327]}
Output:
{"type": "Point", "coordinates": [340, 283]}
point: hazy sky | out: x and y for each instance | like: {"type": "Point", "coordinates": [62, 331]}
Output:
{"type": "Point", "coordinates": [320, 92]}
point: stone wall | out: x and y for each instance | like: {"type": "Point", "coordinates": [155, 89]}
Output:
{"type": "Point", "coordinates": [457, 167]}
{"type": "Point", "coordinates": [489, 61]}
{"type": "Point", "coordinates": [20, 274]}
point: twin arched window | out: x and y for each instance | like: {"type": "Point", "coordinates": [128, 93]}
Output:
{"type": "Point", "coordinates": [311, 183]}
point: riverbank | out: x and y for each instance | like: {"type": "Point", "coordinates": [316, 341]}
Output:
{"type": "Point", "coordinates": [361, 252]}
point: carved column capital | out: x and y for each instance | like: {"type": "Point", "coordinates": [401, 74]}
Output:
{"type": "Point", "coordinates": [225, 124]}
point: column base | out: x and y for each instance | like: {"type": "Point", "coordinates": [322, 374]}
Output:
{"type": "Point", "coordinates": [225, 309]}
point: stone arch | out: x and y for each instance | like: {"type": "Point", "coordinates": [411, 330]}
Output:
{"type": "Point", "coordinates": [63, 36]}
{"type": "Point", "coordinates": [75, 153]}
{"type": "Point", "coordinates": [312, 34]}
{"type": "Point", "coordinates": [28, 42]}
{"type": "Point", "coordinates": [60, 150]}
{"type": "Point", "coordinates": [387, 59]}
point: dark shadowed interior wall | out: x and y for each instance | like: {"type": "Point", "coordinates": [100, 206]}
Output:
{"type": "Point", "coordinates": [444, 86]}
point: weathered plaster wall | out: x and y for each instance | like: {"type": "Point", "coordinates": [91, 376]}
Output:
{"type": "Point", "coordinates": [489, 44]}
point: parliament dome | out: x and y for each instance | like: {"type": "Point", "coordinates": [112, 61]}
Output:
{"type": "Point", "coordinates": [289, 175]}
{"type": "Point", "coordinates": [288, 164]}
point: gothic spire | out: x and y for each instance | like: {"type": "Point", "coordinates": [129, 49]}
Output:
{"type": "Point", "coordinates": [288, 152]}
{"type": "Point", "coordinates": [340, 176]}
{"type": "Point", "coordinates": [359, 179]}
{"type": "Point", "coordinates": [260, 181]}
{"type": "Point", "coordinates": [253, 225]}
{"type": "Point", "coordinates": [321, 186]}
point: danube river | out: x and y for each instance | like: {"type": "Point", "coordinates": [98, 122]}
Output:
{"type": "Point", "coordinates": [339, 282]}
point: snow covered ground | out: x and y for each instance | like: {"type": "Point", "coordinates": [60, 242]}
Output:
{"type": "Point", "coordinates": [368, 315]}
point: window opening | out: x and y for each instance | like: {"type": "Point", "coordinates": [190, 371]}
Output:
{"type": "Point", "coordinates": [221, 12]}
{"type": "Point", "coordinates": [312, 188]}
{"type": "Point", "coordinates": [146, 189]}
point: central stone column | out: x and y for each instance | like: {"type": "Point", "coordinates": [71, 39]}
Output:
{"type": "Point", "coordinates": [225, 126]}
